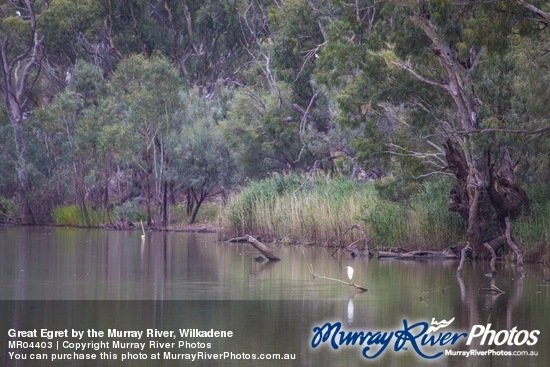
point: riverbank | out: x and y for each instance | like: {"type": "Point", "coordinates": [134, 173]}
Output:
{"type": "Point", "coordinates": [319, 211]}
{"type": "Point", "coordinates": [194, 227]}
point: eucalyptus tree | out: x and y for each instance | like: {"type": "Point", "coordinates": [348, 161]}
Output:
{"type": "Point", "coordinates": [70, 129]}
{"type": "Point", "coordinates": [280, 118]}
{"type": "Point", "coordinates": [75, 30]}
{"type": "Point", "coordinates": [146, 92]}
{"type": "Point", "coordinates": [207, 40]}
{"type": "Point", "coordinates": [202, 163]}
{"type": "Point", "coordinates": [204, 40]}
{"type": "Point", "coordinates": [297, 36]}
{"type": "Point", "coordinates": [413, 72]}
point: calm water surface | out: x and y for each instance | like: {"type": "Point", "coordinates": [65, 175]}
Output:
{"type": "Point", "coordinates": [59, 278]}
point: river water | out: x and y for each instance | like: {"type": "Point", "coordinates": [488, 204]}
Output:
{"type": "Point", "coordinates": [95, 281]}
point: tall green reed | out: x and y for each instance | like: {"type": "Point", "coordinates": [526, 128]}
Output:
{"type": "Point", "coordinates": [75, 216]}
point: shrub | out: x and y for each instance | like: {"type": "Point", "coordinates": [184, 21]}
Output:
{"type": "Point", "coordinates": [130, 211]}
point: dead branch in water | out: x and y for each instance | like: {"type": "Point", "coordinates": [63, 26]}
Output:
{"type": "Point", "coordinates": [351, 284]}
{"type": "Point", "coordinates": [352, 247]}
{"type": "Point", "coordinates": [463, 257]}
{"type": "Point", "coordinates": [491, 289]}
{"type": "Point", "coordinates": [427, 294]}
{"type": "Point", "coordinates": [493, 258]}
{"type": "Point", "coordinates": [418, 254]}
{"type": "Point", "coordinates": [512, 244]}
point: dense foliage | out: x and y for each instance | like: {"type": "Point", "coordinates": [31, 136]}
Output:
{"type": "Point", "coordinates": [110, 106]}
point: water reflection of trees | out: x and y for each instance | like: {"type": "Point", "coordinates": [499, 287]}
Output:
{"type": "Point", "coordinates": [481, 305]}
{"type": "Point", "coordinates": [501, 301]}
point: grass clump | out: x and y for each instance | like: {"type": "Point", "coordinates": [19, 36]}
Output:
{"type": "Point", "coordinates": [75, 216]}
{"type": "Point", "coordinates": [10, 211]}
{"type": "Point", "coordinates": [532, 232]}
{"type": "Point", "coordinates": [295, 208]}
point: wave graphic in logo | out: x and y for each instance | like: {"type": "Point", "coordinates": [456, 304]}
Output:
{"type": "Point", "coordinates": [439, 325]}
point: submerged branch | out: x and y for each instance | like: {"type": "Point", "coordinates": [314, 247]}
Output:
{"type": "Point", "coordinates": [514, 247]}
{"type": "Point", "coordinates": [351, 284]}
{"type": "Point", "coordinates": [493, 257]}
{"type": "Point", "coordinates": [492, 289]}
{"type": "Point", "coordinates": [423, 254]}
{"type": "Point", "coordinates": [352, 247]}
{"type": "Point", "coordinates": [427, 294]}
{"type": "Point", "coordinates": [463, 257]}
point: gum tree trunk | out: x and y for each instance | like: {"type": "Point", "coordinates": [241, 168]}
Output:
{"type": "Point", "coordinates": [18, 63]}
{"type": "Point", "coordinates": [485, 207]}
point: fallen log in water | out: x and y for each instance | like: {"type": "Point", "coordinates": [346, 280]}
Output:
{"type": "Point", "coordinates": [262, 248]}
{"type": "Point", "coordinates": [418, 254]}
{"type": "Point", "coordinates": [241, 239]}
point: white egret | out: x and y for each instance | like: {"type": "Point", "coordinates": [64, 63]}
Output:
{"type": "Point", "coordinates": [350, 272]}
{"type": "Point", "coordinates": [142, 230]}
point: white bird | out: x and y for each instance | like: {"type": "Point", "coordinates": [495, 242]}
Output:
{"type": "Point", "coordinates": [18, 13]}
{"type": "Point", "coordinates": [350, 272]}
{"type": "Point", "coordinates": [142, 230]}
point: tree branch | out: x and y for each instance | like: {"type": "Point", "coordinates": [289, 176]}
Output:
{"type": "Point", "coordinates": [534, 9]}
{"type": "Point", "coordinates": [419, 76]}
{"type": "Point", "coordinates": [351, 284]}
{"type": "Point", "coordinates": [411, 153]}
{"type": "Point", "coordinates": [542, 130]}
{"type": "Point", "coordinates": [515, 248]}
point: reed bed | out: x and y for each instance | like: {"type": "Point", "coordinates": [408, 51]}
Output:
{"type": "Point", "coordinates": [532, 232]}
{"type": "Point", "coordinates": [74, 216]}
{"type": "Point", "coordinates": [318, 209]}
